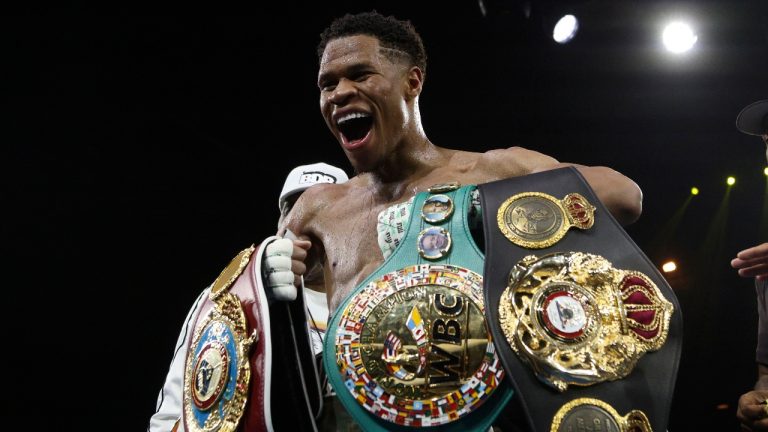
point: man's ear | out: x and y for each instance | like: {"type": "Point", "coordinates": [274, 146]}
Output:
{"type": "Point", "coordinates": [414, 82]}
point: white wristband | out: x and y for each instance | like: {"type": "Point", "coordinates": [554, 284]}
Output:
{"type": "Point", "coordinates": [281, 247]}
{"type": "Point", "coordinates": [276, 269]}
{"type": "Point", "coordinates": [277, 263]}
{"type": "Point", "coordinates": [284, 292]}
{"type": "Point", "coordinates": [280, 278]}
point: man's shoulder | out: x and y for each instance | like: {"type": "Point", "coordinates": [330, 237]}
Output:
{"type": "Point", "coordinates": [329, 190]}
{"type": "Point", "coordinates": [462, 158]}
{"type": "Point", "coordinates": [514, 151]}
{"type": "Point", "coordinates": [320, 198]}
{"type": "Point", "coordinates": [516, 160]}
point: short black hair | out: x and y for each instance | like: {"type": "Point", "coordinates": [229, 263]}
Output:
{"type": "Point", "coordinates": [392, 33]}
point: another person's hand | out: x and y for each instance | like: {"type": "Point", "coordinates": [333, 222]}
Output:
{"type": "Point", "coordinates": [284, 266]}
{"type": "Point", "coordinates": [753, 411]}
{"type": "Point", "coordinates": [752, 262]}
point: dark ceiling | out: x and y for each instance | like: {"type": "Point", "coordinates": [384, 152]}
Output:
{"type": "Point", "coordinates": [141, 153]}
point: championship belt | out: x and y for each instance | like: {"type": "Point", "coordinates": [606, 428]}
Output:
{"type": "Point", "coordinates": [587, 328]}
{"type": "Point", "coordinates": [409, 347]}
{"type": "Point", "coordinates": [229, 377]}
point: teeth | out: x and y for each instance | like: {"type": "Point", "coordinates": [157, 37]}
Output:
{"type": "Point", "coordinates": [351, 116]}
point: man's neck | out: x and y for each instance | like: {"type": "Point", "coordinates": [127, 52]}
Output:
{"type": "Point", "coordinates": [397, 175]}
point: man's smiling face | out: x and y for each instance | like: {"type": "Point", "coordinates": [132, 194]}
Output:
{"type": "Point", "coordinates": [362, 99]}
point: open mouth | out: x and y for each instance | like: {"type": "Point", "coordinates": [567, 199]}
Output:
{"type": "Point", "coordinates": [355, 126]}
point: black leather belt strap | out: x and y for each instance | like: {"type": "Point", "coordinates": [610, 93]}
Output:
{"type": "Point", "coordinates": [296, 395]}
{"type": "Point", "coordinates": [650, 385]}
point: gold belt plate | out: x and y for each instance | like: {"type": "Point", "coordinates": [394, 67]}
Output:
{"type": "Point", "coordinates": [574, 319]}
{"type": "Point", "coordinates": [537, 220]}
{"type": "Point", "coordinates": [413, 346]}
{"type": "Point", "coordinates": [596, 415]}
{"type": "Point", "coordinates": [231, 272]}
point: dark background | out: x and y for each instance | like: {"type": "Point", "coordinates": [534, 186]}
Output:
{"type": "Point", "coordinates": [135, 165]}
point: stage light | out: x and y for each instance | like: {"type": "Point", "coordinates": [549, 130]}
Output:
{"type": "Point", "coordinates": [669, 267]}
{"type": "Point", "coordinates": [565, 29]}
{"type": "Point", "coordinates": [765, 171]}
{"type": "Point", "coordinates": [731, 181]}
{"type": "Point", "coordinates": [678, 37]}
{"type": "Point", "coordinates": [694, 190]}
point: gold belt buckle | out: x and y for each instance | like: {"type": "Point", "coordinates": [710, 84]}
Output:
{"type": "Point", "coordinates": [574, 319]}
{"type": "Point", "coordinates": [413, 347]}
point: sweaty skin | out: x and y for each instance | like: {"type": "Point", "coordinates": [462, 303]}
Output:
{"type": "Point", "coordinates": [395, 160]}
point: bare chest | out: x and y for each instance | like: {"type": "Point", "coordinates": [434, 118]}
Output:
{"type": "Point", "coordinates": [350, 239]}
{"type": "Point", "coordinates": [349, 235]}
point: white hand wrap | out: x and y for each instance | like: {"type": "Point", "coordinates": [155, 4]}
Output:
{"type": "Point", "coordinates": [277, 268]}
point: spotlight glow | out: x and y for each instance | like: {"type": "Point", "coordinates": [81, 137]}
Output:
{"type": "Point", "coordinates": [669, 267]}
{"type": "Point", "coordinates": [565, 29]}
{"type": "Point", "coordinates": [765, 171]}
{"type": "Point", "coordinates": [694, 190]}
{"type": "Point", "coordinates": [678, 37]}
{"type": "Point", "coordinates": [731, 181]}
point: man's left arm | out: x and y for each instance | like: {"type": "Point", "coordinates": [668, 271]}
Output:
{"type": "Point", "coordinates": [617, 192]}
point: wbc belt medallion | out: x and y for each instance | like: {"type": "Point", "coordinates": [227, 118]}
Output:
{"type": "Point", "coordinates": [574, 319]}
{"type": "Point", "coordinates": [537, 220]}
{"type": "Point", "coordinates": [217, 371]}
{"type": "Point", "coordinates": [412, 347]}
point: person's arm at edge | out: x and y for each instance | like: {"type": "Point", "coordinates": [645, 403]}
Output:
{"type": "Point", "coordinates": [752, 262]}
{"type": "Point", "coordinates": [751, 410]}
{"type": "Point", "coordinates": [762, 377]}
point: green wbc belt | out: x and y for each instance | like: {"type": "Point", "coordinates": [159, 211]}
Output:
{"type": "Point", "coordinates": [409, 347]}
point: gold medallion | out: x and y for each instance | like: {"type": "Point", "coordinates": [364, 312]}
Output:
{"type": "Point", "coordinates": [589, 414]}
{"type": "Point", "coordinates": [231, 272]}
{"type": "Point", "coordinates": [413, 347]}
{"type": "Point", "coordinates": [574, 319]}
{"type": "Point", "coordinates": [437, 208]}
{"type": "Point", "coordinates": [217, 371]}
{"type": "Point", "coordinates": [536, 220]}
{"type": "Point", "coordinates": [444, 187]}
{"type": "Point", "coordinates": [433, 243]}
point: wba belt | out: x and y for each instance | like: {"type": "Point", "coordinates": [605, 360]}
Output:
{"type": "Point", "coordinates": [588, 330]}
{"type": "Point", "coordinates": [409, 347]}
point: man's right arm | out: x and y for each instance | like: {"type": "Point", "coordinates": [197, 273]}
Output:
{"type": "Point", "coordinates": [284, 266]}
{"type": "Point", "coordinates": [309, 254]}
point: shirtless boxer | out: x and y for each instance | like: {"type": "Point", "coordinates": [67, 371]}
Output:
{"type": "Point", "coordinates": [372, 71]}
